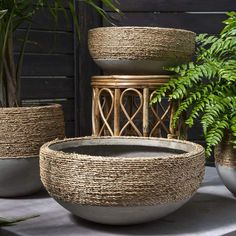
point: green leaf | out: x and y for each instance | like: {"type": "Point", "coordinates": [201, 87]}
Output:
{"type": "Point", "coordinates": [3, 13]}
{"type": "Point", "coordinates": [10, 222]}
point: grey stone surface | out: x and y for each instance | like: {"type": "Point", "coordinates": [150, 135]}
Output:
{"type": "Point", "coordinates": [211, 212]}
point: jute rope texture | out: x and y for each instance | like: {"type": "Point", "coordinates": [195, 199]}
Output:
{"type": "Point", "coordinates": [225, 154]}
{"type": "Point", "coordinates": [141, 43]}
{"type": "Point", "coordinates": [108, 181]}
{"type": "Point", "coordinates": [24, 130]}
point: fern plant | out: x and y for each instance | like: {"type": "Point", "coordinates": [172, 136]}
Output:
{"type": "Point", "coordinates": [206, 88]}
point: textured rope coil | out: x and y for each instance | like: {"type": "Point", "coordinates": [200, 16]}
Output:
{"type": "Point", "coordinates": [108, 181]}
{"type": "Point", "coordinates": [141, 43]}
{"type": "Point", "coordinates": [225, 154]}
{"type": "Point", "coordinates": [23, 130]}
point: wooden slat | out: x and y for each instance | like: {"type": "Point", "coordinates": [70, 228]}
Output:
{"type": "Point", "coordinates": [177, 5]}
{"type": "Point", "coordinates": [48, 65]}
{"type": "Point", "coordinates": [45, 42]}
{"type": "Point", "coordinates": [199, 23]}
{"type": "Point", "coordinates": [86, 68]}
{"type": "Point", "coordinates": [69, 109]}
{"type": "Point", "coordinates": [51, 2]}
{"type": "Point", "coordinates": [70, 129]}
{"type": "Point", "coordinates": [42, 88]}
{"type": "Point", "coordinates": [43, 20]}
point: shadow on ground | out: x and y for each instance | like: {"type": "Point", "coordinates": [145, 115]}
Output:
{"type": "Point", "coordinates": [4, 232]}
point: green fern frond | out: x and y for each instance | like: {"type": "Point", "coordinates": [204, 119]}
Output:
{"type": "Point", "coordinates": [206, 88]}
{"type": "Point", "coordinates": [215, 135]}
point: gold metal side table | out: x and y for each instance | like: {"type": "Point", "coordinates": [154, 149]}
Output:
{"type": "Point", "coordinates": [121, 107]}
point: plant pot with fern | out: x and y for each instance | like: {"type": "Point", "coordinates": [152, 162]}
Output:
{"type": "Point", "coordinates": [24, 128]}
{"type": "Point", "coordinates": [206, 89]}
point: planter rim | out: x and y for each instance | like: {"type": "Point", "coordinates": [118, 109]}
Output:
{"type": "Point", "coordinates": [197, 149]}
{"type": "Point", "coordinates": [142, 28]}
{"type": "Point", "coordinates": [31, 106]}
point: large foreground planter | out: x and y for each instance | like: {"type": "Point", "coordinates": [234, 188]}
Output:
{"type": "Point", "coordinates": [140, 50]}
{"type": "Point", "coordinates": [123, 180]}
{"type": "Point", "coordinates": [225, 160]}
{"type": "Point", "coordinates": [22, 131]}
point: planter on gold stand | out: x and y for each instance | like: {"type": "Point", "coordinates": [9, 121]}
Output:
{"type": "Point", "coordinates": [140, 50]}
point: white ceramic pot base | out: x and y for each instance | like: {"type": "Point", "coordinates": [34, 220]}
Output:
{"type": "Point", "coordinates": [138, 67]}
{"type": "Point", "coordinates": [121, 215]}
{"type": "Point", "coordinates": [228, 176]}
{"type": "Point", "coordinates": [19, 176]}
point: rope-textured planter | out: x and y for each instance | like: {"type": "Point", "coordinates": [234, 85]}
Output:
{"type": "Point", "coordinates": [24, 129]}
{"type": "Point", "coordinates": [225, 154]}
{"type": "Point", "coordinates": [86, 177]}
{"type": "Point", "coordinates": [140, 50]}
{"type": "Point", "coordinates": [225, 160]}
{"type": "Point", "coordinates": [141, 43]}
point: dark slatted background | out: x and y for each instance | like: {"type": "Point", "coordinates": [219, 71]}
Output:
{"type": "Point", "coordinates": [58, 69]}
{"type": "Point", "coordinates": [196, 15]}
{"type": "Point", "coordinates": [49, 68]}
{"type": "Point", "coordinates": [200, 16]}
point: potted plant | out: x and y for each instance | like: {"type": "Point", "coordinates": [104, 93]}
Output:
{"type": "Point", "coordinates": [23, 129]}
{"type": "Point", "coordinates": [206, 89]}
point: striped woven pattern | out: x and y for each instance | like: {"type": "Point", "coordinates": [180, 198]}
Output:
{"type": "Point", "coordinates": [141, 43]}
{"type": "Point", "coordinates": [24, 129]}
{"type": "Point", "coordinates": [120, 181]}
{"type": "Point", "coordinates": [225, 153]}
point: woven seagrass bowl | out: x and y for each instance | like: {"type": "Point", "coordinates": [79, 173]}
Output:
{"type": "Point", "coordinates": [225, 162]}
{"type": "Point", "coordinates": [140, 50]}
{"type": "Point", "coordinates": [121, 180]}
{"type": "Point", "coordinates": [23, 130]}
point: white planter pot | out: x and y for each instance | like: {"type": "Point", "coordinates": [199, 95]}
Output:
{"type": "Point", "coordinates": [225, 156]}
{"type": "Point", "coordinates": [125, 180]}
{"type": "Point", "coordinates": [22, 131]}
{"type": "Point", "coordinates": [140, 50]}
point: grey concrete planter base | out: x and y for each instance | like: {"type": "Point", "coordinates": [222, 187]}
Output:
{"type": "Point", "coordinates": [135, 67]}
{"type": "Point", "coordinates": [122, 215]}
{"type": "Point", "coordinates": [19, 176]}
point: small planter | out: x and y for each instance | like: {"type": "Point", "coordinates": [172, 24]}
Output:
{"type": "Point", "coordinates": [140, 50]}
{"type": "Point", "coordinates": [225, 160]}
{"type": "Point", "coordinates": [22, 131]}
{"type": "Point", "coordinates": [125, 180]}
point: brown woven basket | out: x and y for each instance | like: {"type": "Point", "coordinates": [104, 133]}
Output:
{"type": "Point", "coordinates": [24, 129]}
{"type": "Point", "coordinates": [141, 43]}
{"type": "Point", "coordinates": [225, 154]}
{"type": "Point", "coordinates": [75, 176]}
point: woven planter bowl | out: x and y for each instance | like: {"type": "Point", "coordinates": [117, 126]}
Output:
{"type": "Point", "coordinates": [22, 131]}
{"type": "Point", "coordinates": [123, 180]}
{"type": "Point", "coordinates": [225, 161]}
{"type": "Point", "coordinates": [140, 50]}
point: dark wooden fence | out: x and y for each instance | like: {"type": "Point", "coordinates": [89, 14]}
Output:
{"type": "Point", "coordinates": [49, 66]}
{"type": "Point", "coordinates": [57, 68]}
